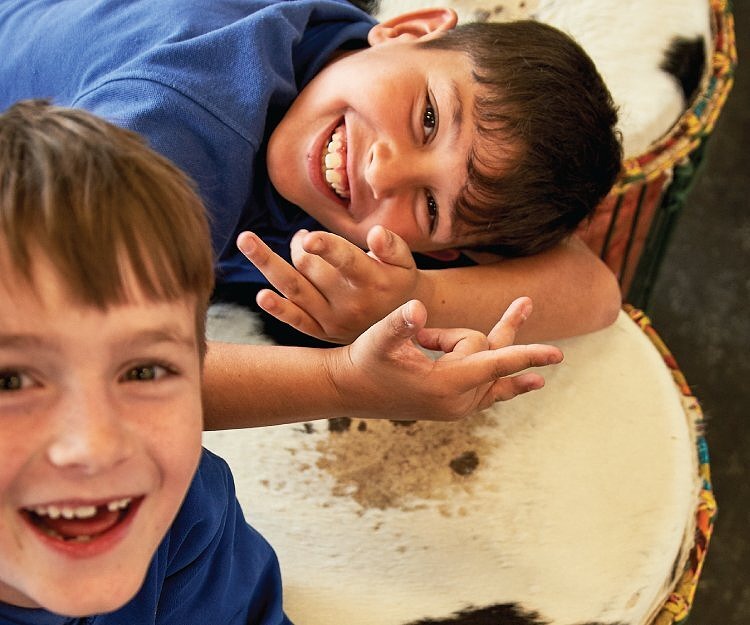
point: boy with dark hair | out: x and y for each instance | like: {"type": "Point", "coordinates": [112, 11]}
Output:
{"type": "Point", "coordinates": [110, 511]}
{"type": "Point", "coordinates": [541, 152]}
{"type": "Point", "coordinates": [207, 83]}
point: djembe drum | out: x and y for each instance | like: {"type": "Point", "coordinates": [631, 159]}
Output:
{"type": "Point", "coordinates": [588, 501]}
{"type": "Point", "coordinates": [631, 227]}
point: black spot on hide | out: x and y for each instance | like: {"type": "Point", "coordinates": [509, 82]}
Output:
{"type": "Point", "coordinates": [465, 463]}
{"type": "Point", "coordinates": [500, 614]}
{"type": "Point", "coordinates": [339, 424]}
{"type": "Point", "coordinates": [685, 60]}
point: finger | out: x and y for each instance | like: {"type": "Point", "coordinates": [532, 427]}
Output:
{"type": "Point", "coordinates": [457, 342]}
{"type": "Point", "coordinates": [487, 366]}
{"type": "Point", "coordinates": [389, 248]}
{"type": "Point", "coordinates": [295, 244]}
{"type": "Point", "coordinates": [349, 261]}
{"type": "Point", "coordinates": [504, 332]}
{"type": "Point", "coordinates": [510, 387]}
{"type": "Point", "coordinates": [279, 273]}
{"type": "Point", "coordinates": [398, 326]}
{"type": "Point", "coordinates": [310, 265]}
{"type": "Point", "coordinates": [288, 312]}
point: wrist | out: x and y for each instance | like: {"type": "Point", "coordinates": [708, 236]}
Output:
{"type": "Point", "coordinates": [425, 288]}
{"type": "Point", "coordinates": [337, 369]}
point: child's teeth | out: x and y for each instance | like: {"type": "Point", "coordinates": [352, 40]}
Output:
{"type": "Point", "coordinates": [333, 160]}
{"type": "Point", "coordinates": [79, 512]}
{"type": "Point", "coordinates": [85, 512]}
{"type": "Point", "coordinates": [333, 176]}
{"type": "Point", "coordinates": [121, 504]}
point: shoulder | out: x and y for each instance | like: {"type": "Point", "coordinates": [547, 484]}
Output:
{"type": "Point", "coordinates": [218, 568]}
{"type": "Point", "coordinates": [209, 503]}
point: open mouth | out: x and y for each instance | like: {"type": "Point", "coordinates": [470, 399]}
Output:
{"type": "Point", "coordinates": [80, 523]}
{"type": "Point", "coordinates": [334, 163]}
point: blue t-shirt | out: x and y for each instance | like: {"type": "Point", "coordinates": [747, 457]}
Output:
{"type": "Point", "coordinates": [211, 567]}
{"type": "Point", "coordinates": [203, 80]}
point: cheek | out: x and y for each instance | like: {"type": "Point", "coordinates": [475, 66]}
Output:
{"type": "Point", "coordinates": [20, 454]}
{"type": "Point", "coordinates": [176, 443]}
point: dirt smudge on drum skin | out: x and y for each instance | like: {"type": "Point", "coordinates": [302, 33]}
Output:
{"type": "Point", "coordinates": [389, 464]}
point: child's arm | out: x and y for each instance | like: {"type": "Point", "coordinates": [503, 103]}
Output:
{"type": "Point", "coordinates": [383, 374]}
{"type": "Point", "coordinates": [336, 290]}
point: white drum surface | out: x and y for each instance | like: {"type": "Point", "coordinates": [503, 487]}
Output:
{"type": "Point", "coordinates": [574, 504]}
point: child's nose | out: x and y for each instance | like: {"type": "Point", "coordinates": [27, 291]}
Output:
{"type": "Point", "coordinates": [91, 437]}
{"type": "Point", "coordinates": [391, 169]}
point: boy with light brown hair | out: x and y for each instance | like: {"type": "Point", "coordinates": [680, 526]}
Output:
{"type": "Point", "coordinates": [110, 510]}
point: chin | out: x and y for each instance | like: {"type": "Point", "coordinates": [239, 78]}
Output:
{"type": "Point", "coordinates": [81, 598]}
{"type": "Point", "coordinates": [85, 602]}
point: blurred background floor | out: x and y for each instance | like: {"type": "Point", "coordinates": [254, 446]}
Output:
{"type": "Point", "coordinates": [700, 306]}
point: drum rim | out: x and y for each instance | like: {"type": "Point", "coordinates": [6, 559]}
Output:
{"type": "Point", "coordinates": [698, 121]}
{"type": "Point", "coordinates": [677, 606]}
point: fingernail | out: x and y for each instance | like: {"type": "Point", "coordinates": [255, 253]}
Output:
{"type": "Point", "coordinates": [408, 316]}
{"type": "Point", "coordinates": [247, 245]}
{"type": "Point", "coordinates": [526, 310]}
{"type": "Point", "coordinates": [536, 385]}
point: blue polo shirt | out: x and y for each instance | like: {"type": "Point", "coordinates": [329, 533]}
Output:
{"type": "Point", "coordinates": [203, 80]}
{"type": "Point", "coordinates": [211, 568]}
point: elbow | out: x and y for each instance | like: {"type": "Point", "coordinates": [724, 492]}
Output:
{"type": "Point", "coordinates": [607, 298]}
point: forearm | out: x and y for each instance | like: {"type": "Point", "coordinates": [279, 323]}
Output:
{"type": "Point", "coordinates": [256, 385]}
{"type": "Point", "coordinates": [384, 374]}
{"type": "Point", "coordinates": [572, 290]}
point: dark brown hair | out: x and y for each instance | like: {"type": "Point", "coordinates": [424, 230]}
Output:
{"type": "Point", "coordinates": [98, 202]}
{"type": "Point", "coordinates": [546, 149]}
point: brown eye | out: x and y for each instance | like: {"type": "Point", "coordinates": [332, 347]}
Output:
{"type": "Point", "coordinates": [432, 211]}
{"type": "Point", "coordinates": [10, 381]}
{"type": "Point", "coordinates": [429, 120]}
{"type": "Point", "coordinates": [144, 373]}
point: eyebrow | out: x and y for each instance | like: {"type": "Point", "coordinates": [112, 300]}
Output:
{"type": "Point", "coordinates": [18, 341]}
{"type": "Point", "coordinates": [454, 132]}
{"type": "Point", "coordinates": [458, 108]}
{"type": "Point", "coordinates": [160, 335]}
{"type": "Point", "coordinates": [139, 338]}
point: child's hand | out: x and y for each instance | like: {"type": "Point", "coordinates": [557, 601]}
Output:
{"type": "Point", "coordinates": [385, 369]}
{"type": "Point", "coordinates": [335, 290]}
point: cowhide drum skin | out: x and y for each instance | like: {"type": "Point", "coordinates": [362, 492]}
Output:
{"type": "Point", "coordinates": [569, 505]}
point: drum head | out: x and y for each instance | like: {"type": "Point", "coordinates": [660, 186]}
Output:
{"type": "Point", "coordinates": [573, 504]}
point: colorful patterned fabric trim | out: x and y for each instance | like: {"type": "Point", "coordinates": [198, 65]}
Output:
{"type": "Point", "coordinates": [677, 606]}
{"type": "Point", "coordinates": [698, 121]}
{"type": "Point", "coordinates": [631, 225]}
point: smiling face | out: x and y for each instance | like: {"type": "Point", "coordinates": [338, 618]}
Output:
{"type": "Point", "coordinates": [101, 430]}
{"type": "Point", "coordinates": [381, 136]}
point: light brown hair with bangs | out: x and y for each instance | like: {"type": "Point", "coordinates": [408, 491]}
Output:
{"type": "Point", "coordinates": [99, 203]}
{"type": "Point", "coordinates": [546, 145]}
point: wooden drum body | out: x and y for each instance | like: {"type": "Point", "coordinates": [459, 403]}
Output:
{"type": "Point", "coordinates": [575, 504]}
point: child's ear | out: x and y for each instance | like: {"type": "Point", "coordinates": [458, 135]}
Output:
{"type": "Point", "coordinates": [443, 255]}
{"type": "Point", "coordinates": [420, 24]}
